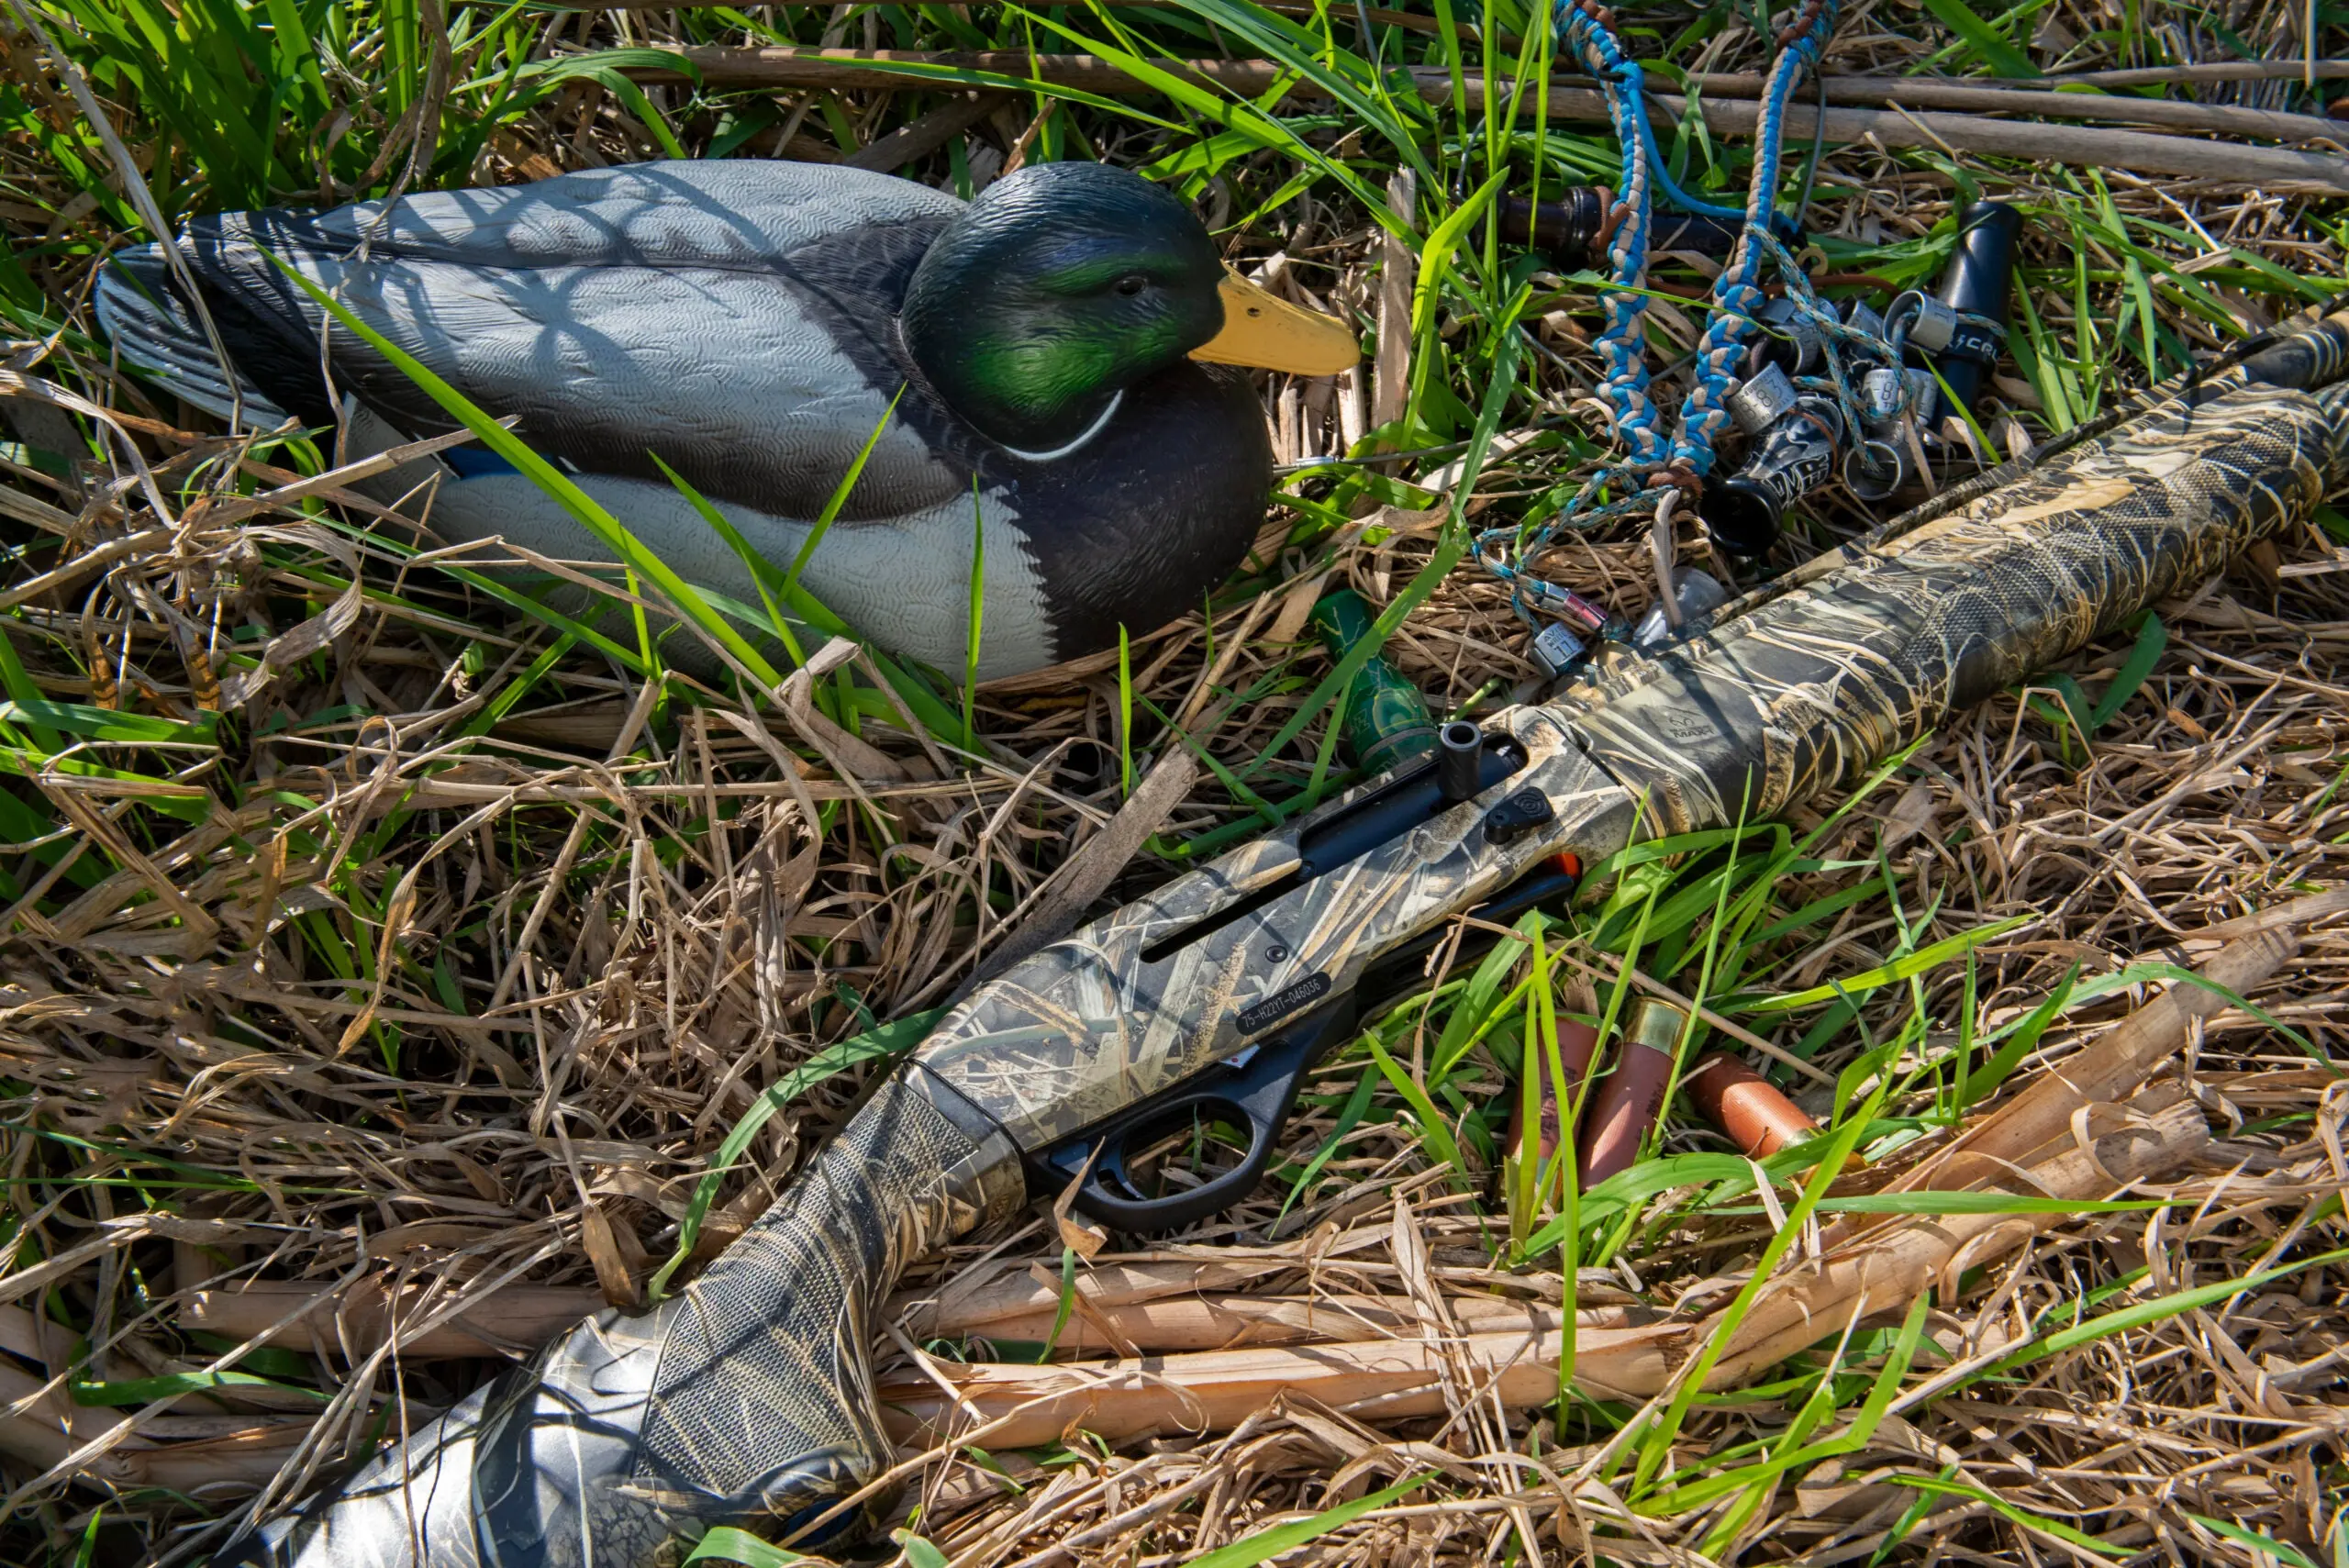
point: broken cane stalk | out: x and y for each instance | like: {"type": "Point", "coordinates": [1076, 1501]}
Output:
{"type": "Point", "coordinates": [1146, 1307]}
{"type": "Point", "coordinates": [2139, 151]}
{"type": "Point", "coordinates": [1391, 1379]}
{"type": "Point", "coordinates": [2107, 1070]}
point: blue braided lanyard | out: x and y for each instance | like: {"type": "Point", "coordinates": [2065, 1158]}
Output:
{"type": "Point", "coordinates": [1587, 33]}
{"type": "Point", "coordinates": [1737, 294]}
{"type": "Point", "coordinates": [1584, 33]}
{"type": "Point", "coordinates": [1622, 345]}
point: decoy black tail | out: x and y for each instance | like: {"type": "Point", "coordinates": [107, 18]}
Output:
{"type": "Point", "coordinates": [146, 319]}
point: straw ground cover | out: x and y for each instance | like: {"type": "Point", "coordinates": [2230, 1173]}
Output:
{"type": "Point", "coordinates": [369, 924]}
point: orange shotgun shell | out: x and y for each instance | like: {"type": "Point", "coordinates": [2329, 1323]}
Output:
{"type": "Point", "coordinates": [1626, 1101]}
{"type": "Point", "coordinates": [1747, 1108]}
{"type": "Point", "coordinates": [1577, 1045]}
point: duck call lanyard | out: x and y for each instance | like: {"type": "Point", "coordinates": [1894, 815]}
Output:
{"type": "Point", "coordinates": [1655, 471]}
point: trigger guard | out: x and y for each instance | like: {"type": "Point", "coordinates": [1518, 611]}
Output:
{"type": "Point", "coordinates": [1260, 1090]}
{"type": "Point", "coordinates": [1139, 1215]}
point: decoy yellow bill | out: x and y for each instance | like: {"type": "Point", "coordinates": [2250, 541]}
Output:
{"type": "Point", "coordinates": [1264, 330]}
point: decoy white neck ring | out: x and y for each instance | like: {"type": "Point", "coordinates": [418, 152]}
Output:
{"type": "Point", "coordinates": [1091, 430]}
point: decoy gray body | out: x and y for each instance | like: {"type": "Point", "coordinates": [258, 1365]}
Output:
{"type": "Point", "coordinates": [1055, 350]}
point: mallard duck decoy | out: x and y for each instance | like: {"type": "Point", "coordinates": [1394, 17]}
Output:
{"type": "Point", "coordinates": [1061, 344]}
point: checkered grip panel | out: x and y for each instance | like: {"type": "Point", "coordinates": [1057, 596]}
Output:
{"type": "Point", "coordinates": [785, 1313]}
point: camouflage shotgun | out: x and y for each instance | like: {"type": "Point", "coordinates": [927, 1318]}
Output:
{"type": "Point", "coordinates": [748, 1399]}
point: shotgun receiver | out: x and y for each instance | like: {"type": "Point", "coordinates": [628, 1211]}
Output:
{"type": "Point", "coordinates": [747, 1398]}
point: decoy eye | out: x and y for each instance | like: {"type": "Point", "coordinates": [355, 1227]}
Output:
{"type": "Point", "coordinates": [1130, 285]}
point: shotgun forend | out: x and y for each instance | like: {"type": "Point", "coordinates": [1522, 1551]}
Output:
{"type": "Point", "coordinates": [746, 1399]}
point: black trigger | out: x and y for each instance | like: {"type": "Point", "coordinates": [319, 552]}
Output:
{"type": "Point", "coordinates": [1264, 1079]}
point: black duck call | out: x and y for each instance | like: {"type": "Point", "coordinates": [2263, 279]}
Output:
{"type": "Point", "coordinates": [1978, 282]}
{"type": "Point", "coordinates": [1572, 229]}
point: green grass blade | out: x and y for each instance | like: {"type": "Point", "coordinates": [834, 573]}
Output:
{"type": "Point", "coordinates": [1432, 1126]}
{"type": "Point", "coordinates": [1981, 1084]}
{"type": "Point", "coordinates": [838, 497]}
{"type": "Point", "coordinates": [2282, 1552]}
{"type": "Point", "coordinates": [1449, 547]}
{"type": "Point", "coordinates": [1915, 964]}
{"type": "Point", "coordinates": [1888, 1380]}
{"type": "Point", "coordinates": [2153, 640]}
{"type": "Point", "coordinates": [1481, 1002]}
{"type": "Point", "coordinates": [2002, 57]}
{"type": "Point", "coordinates": [1125, 715]}
{"type": "Point", "coordinates": [888, 1039]}
{"type": "Point", "coordinates": [1349, 1117]}
{"type": "Point", "coordinates": [919, 1551]}
{"type": "Point", "coordinates": [2022, 1517]}
{"type": "Point", "coordinates": [1234, 114]}
{"type": "Point", "coordinates": [1928, 1202]}
{"type": "Point", "coordinates": [2154, 1311]}
{"type": "Point", "coordinates": [106, 724]}
{"type": "Point", "coordinates": [147, 1390]}
{"type": "Point", "coordinates": [978, 618]}
{"type": "Point", "coordinates": [515, 690]}
{"type": "Point", "coordinates": [727, 1544]}
{"type": "Point", "coordinates": [1832, 1151]}
{"type": "Point", "coordinates": [1268, 1545]}
{"type": "Point", "coordinates": [1346, 79]}
{"type": "Point", "coordinates": [723, 526]}
{"type": "Point", "coordinates": [1067, 1305]}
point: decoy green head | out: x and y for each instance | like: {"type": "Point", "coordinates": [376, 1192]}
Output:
{"type": "Point", "coordinates": [1064, 283]}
